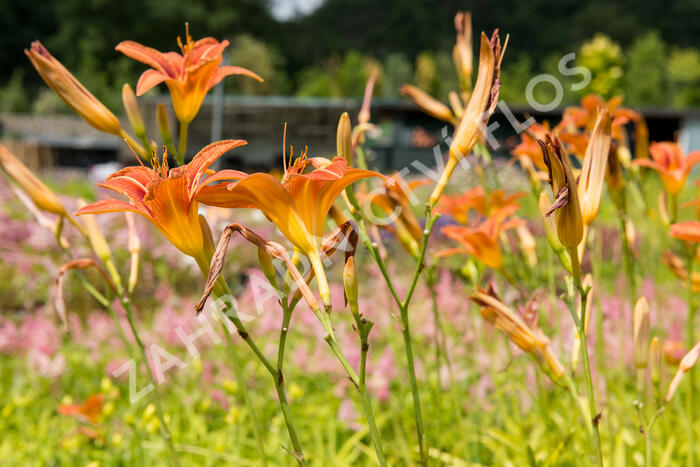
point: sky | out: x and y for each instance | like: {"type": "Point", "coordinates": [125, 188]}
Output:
{"type": "Point", "coordinates": [286, 9]}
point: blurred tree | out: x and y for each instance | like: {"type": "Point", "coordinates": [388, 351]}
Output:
{"type": "Point", "coordinates": [425, 73]}
{"type": "Point", "coordinates": [351, 75]}
{"type": "Point", "coordinates": [645, 76]}
{"type": "Point", "coordinates": [514, 78]}
{"type": "Point", "coordinates": [314, 82]}
{"type": "Point", "coordinates": [251, 53]}
{"type": "Point", "coordinates": [684, 77]}
{"type": "Point", "coordinates": [13, 98]}
{"type": "Point", "coordinates": [604, 59]}
{"type": "Point", "coordinates": [397, 70]}
{"type": "Point", "coordinates": [446, 76]}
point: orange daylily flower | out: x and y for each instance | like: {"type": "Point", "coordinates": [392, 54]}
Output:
{"type": "Point", "coordinates": [688, 231]}
{"type": "Point", "coordinates": [529, 148]}
{"type": "Point", "coordinates": [482, 241]}
{"type": "Point", "coordinates": [586, 115]}
{"type": "Point", "coordinates": [88, 411]}
{"type": "Point", "coordinates": [486, 204]}
{"type": "Point", "coordinates": [672, 165]}
{"type": "Point", "coordinates": [298, 205]}
{"type": "Point", "coordinates": [189, 76]}
{"type": "Point", "coordinates": [166, 197]}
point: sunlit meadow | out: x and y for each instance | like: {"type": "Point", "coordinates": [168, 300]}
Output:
{"type": "Point", "coordinates": [533, 310]}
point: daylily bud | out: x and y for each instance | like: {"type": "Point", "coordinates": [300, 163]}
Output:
{"type": "Point", "coordinates": [462, 54]}
{"type": "Point", "coordinates": [655, 361]}
{"type": "Point", "coordinates": [131, 107]}
{"type": "Point", "coordinates": [687, 364]}
{"type": "Point", "coordinates": [73, 93]}
{"type": "Point", "coordinates": [364, 115]}
{"type": "Point", "coordinates": [134, 250]}
{"type": "Point", "coordinates": [631, 234]}
{"type": "Point", "coordinates": [100, 246]}
{"type": "Point", "coordinates": [207, 237]}
{"type": "Point", "coordinates": [663, 209]}
{"type": "Point", "coordinates": [97, 240]}
{"type": "Point", "coordinates": [526, 335]}
{"type": "Point", "coordinates": [641, 139]}
{"type": "Point", "coordinates": [590, 186]}
{"type": "Point", "coordinates": [40, 194]}
{"type": "Point", "coordinates": [428, 104]}
{"type": "Point", "coordinates": [613, 174]}
{"type": "Point", "coordinates": [480, 107]}
{"type": "Point", "coordinates": [641, 333]}
{"type": "Point", "coordinates": [344, 138]}
{"type": "Point", "coordinates": [566, 202]}
{"type": "Point", "coordinates": [550, 224]}
{"type": "Point", "coordinates": [268, 268]}
{"type": "Point", "coordinates": [350, 283]}
{"type": "Point", "coordinates": [164, 127]}
{"type": "Point", "coordinates": [456, 104]}
{"type": "Point", "coordinates": [550, 230]}
{"type": "Point", "coordinates": [527, 245]}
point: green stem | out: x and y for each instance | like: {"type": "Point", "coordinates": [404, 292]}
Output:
{"type": "Point", "coordinates": [402, 304]}
{"type": "Point", "coordinates": [589, 381]}
{"type": "Point", "coordinates": [361, 388]}
{"type": "Point", "coordinates": [165, 430]}
{"type": "Point", "coordinates": [240, 376]}
{"type": "Point", "coordinates": [690, 341]}
{"type": "Point", "coordinates": [229, 310]}
{"type": "Point", "coordinates": [674, 208]}
{"type": "Point", "coordinates": [278, 379]}
{"type": "Point", "coordinates": [361, 159]}
{"type": "Point", "coordinates": [629, 263]}
{"type": "Point", "coordinates": [440, 335]}
{"type": "Point", "coordinates": [182, 145]}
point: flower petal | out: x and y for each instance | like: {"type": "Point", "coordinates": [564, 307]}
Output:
{"type": "Point", "coordinates": [227, 70]}
{"type": "Point", "coordinates": [689, 231]}
{"type": "Point", "coordinates": [147, 55]}
{"type": "Point", "coordinates": [149, 79]}
{"type": "Point", "coordinates": [110, 205]}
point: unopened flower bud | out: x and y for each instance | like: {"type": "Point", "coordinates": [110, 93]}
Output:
{"type": "Point", "coordinates": [268, 268]}
{"type": "Point", "coordinates": [428, 104]}
{"type": "Point", "coordinates": [134, 250]}
{"type": "Point", "coordinates": [97, 240]}
{"type": "Point", "coordinates": [73, 93]}
{"type": "Point", "coordinates": [344, 138]}
{"type": "Point", "coordinates": [351, 286]}
{"type": "Point", "coordinates": [641, 333]}
{"type": "Point", "coordinates": [456, 104]}
{"type": "Point", "coordinates": [527, 245]}
{"type": "Point", "coordinates": [566, 206]}
{"type": "Point", "coordinates": [40, 194]}
{"type": "Point", "coordinates": [164, 127]}
{"type": "Point", "coordinates": [131, 107]}
{"type": "Point", "coordinates": [655, 361]}
{"type": "Point", "coordinates": [590, 185]}
{"type": "Point", "coordinates": [687, 364]}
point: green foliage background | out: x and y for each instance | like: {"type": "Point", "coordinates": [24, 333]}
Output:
{"type": "Point", "coordinates": [330, 51]}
